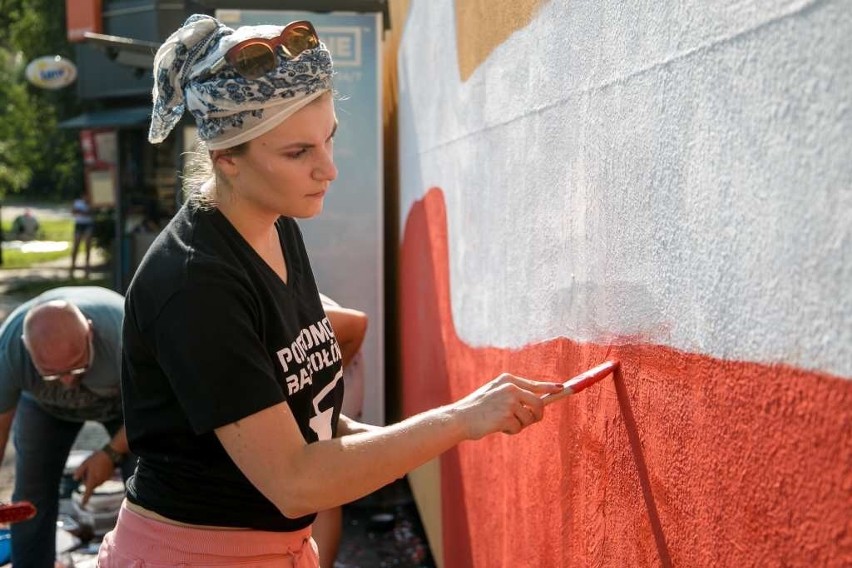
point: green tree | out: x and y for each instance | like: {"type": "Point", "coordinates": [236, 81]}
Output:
{"type": "Point", "coordinates": [36, 157]}
{"type": "Point", "coordinates": [19, 126]}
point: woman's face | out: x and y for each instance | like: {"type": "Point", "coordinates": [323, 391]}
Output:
{"type": "Point", "coordinates": [288, 170]}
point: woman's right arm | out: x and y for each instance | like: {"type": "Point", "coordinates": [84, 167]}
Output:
{"type": "Point", "coordinates": [302, 478]}
{"type": "Point", "coordinates": [267, 445]}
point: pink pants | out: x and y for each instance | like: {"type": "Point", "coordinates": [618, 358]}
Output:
{"type": "Point", "coordinates": [140, 542]}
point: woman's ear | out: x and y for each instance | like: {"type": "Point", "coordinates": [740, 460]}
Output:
{"type": "Point", "coordinates": [224, 160]}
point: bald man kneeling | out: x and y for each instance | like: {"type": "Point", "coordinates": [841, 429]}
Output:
{"type": "Point", "coordinates": [60, 365]}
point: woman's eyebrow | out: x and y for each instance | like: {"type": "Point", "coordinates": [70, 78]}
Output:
{"type": "Point", "coordinates": [296, 146]}
{"type": "Point", "coordinates": [308, 145]}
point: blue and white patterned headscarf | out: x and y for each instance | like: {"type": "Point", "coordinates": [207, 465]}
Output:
{"type": "Point", "coordinates": [228, 108]}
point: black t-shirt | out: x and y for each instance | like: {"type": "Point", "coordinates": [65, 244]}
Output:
{"type": "Point", "coordinates": [212, 335]}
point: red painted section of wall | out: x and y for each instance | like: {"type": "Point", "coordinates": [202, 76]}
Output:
{"type": "Point", "coordinates": [747, 464]}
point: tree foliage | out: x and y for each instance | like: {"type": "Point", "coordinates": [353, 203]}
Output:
{"type": "Point", "coordinates": [36, 156]}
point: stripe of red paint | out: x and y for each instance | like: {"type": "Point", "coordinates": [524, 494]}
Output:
{"type": "Point", "coordinates": [748, 464]}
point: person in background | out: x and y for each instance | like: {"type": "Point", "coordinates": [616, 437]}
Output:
{"type": "Point", "coordinates": [59, 367]}
{"type": "Point", "coordinates": [25, 226]}
{"type": "Point", "coordinates": [350, 327]}
{"type": "Point", "coordinates": [232, 378]}
{"type": "Point", "coordinates": [84, 226]}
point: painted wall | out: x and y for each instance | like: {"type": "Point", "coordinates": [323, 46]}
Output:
{"type": "Point", "coordinates": [666, 184]}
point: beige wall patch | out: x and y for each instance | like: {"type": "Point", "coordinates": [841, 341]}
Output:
{"type": "Point", "coordinates": [482, 25]}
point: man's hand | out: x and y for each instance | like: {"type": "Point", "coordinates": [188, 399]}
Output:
{"type": "Point", "coordinates": [97, 468]}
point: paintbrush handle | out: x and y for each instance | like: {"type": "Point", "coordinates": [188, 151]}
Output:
{"type": "Point", "coordinates": [16, 512]}
{"type": "Point", "coordinates": [582, 381]}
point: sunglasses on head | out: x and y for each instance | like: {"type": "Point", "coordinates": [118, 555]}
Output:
{"type": "Point", "coordinates": [256, 57]}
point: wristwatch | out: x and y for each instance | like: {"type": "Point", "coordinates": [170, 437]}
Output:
{"type": "Point", "coordinates": [116, 456]}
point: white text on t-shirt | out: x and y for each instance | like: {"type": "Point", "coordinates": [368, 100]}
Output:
{"type": "Point", "coordinates": [314, 349]}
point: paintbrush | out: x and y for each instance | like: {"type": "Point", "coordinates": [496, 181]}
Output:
{"type": "Point", "coordinates": [16, 512]}
{"type": "Point", "coordinates": [582, 381]}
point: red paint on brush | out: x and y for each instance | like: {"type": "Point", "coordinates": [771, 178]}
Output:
{"type": "Point", "coordinates": [590, 377]}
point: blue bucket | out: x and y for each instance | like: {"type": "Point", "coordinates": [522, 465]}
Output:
{"type": "Point", "coordinates": [5, 546]}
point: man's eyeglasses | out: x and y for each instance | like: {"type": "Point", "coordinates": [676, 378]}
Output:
{"type": "Point", "coordinates": [256, 57]}
{"type": "Point", "coordinates": [74, 372]}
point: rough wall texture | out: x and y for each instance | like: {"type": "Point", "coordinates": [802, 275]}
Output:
{"type": "Point", "coordinates": [668, 184]}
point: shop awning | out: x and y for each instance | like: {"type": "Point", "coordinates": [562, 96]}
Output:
{"type": "Point", "coordinates": [113, 118]}
{"type": "Point", "coordinates": [127, 51]}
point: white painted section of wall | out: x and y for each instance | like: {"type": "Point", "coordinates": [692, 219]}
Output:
{"type": "Point", "coordinates": [679, 171]}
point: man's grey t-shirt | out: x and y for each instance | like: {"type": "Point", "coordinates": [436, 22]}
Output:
{"type": "Point", "coordinates": [97, 397]}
